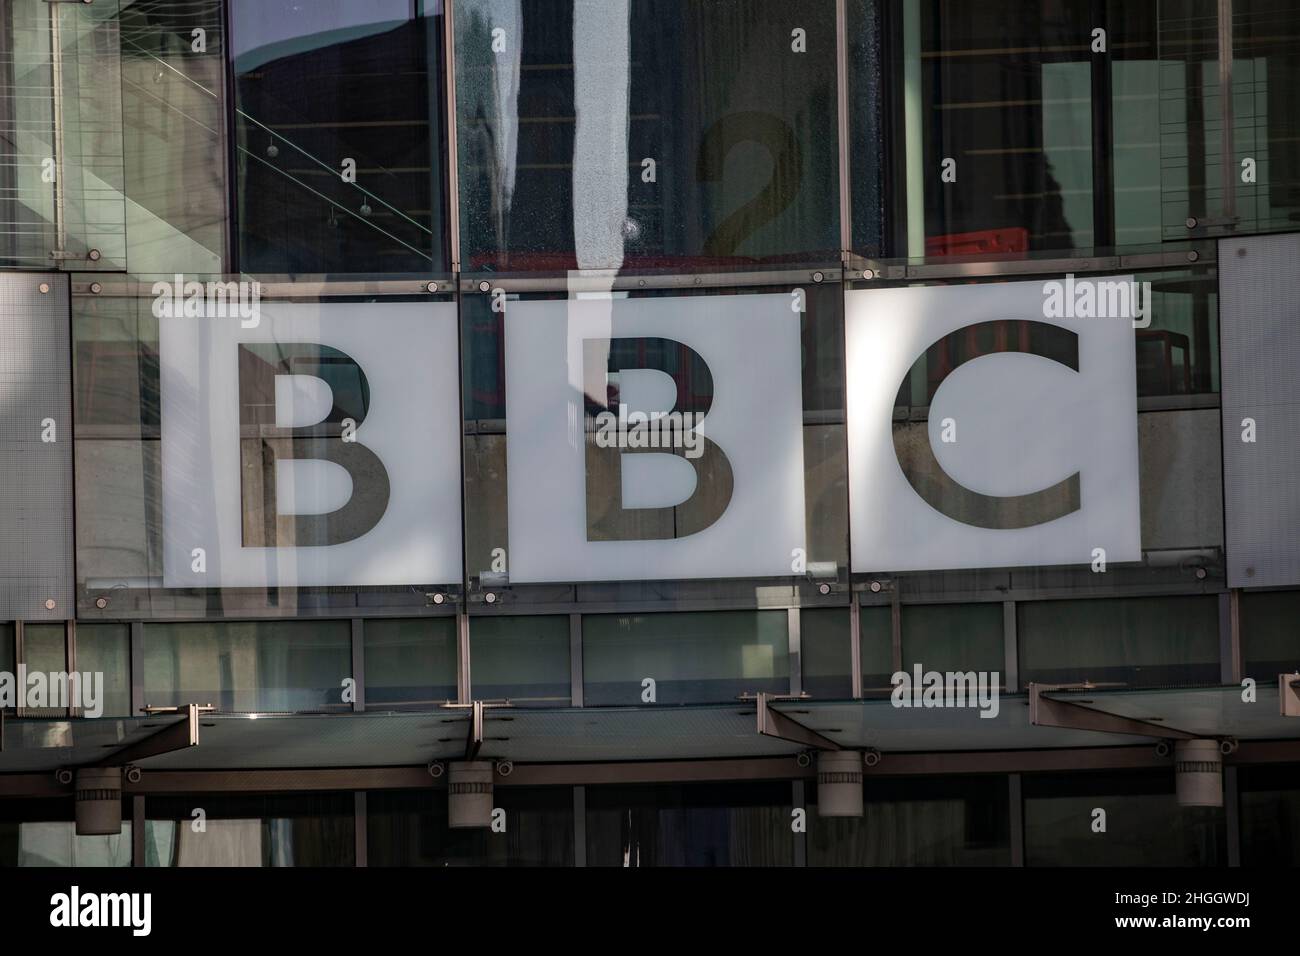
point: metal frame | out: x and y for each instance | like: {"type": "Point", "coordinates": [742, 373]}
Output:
{"type": "Point", "coordinates": [1050, 712]}
{"type": "Point", "coordinates": [773, 723]}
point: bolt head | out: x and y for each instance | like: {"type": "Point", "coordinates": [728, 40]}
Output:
{"type": "Point", "coordinates": [50, 604]}
{"type": "Point", "coordinates": [101, 602]}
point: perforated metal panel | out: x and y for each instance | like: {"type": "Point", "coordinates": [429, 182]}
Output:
{"type": "Point", "coordinates": [35, 448]}
{"type": "Point", "coordinates": [1259, 309]}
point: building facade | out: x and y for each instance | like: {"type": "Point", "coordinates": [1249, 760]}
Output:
{"type": "Point", "coordinates": [649, 432]}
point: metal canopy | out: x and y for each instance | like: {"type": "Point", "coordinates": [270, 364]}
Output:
{"type": "Point", "coordinates": [33, 744]}
{"type": "Point", "coordinates": [1198, 712]}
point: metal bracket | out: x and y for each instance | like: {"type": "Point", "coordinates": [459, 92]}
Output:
{"type": "Point", "coordinates": [181, 735]}
{"type": "Point", "coordinates": [474, 738]}
{"type": "Point", "coordinates": [1047, 712]}
{"type": "Point", "coordinates": [773, 723]}
{"type": "Point", "coordinates": [1288, 694]}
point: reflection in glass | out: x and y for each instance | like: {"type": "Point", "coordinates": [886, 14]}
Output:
{"type": "Point", "coordinates": [311, 829]}
{"type": "Point", "coordinates": [41, 832]}
{"type": "Point", "coordinates": [106, 649]}
{"type": "Point", "coordinates": [410, 661]}
{"type": "Point", "coordinates": [525, 659]}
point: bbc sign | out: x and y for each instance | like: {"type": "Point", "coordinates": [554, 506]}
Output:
{"type": "Point", "coordinates": [647, 439]}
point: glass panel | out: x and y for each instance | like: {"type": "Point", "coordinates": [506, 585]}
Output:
{"type": "Point", "coordinates": [1270, 815]}
{"type": "Point", "coordinates": [1145, 642]}
{"type": "Point", "coordinates": [744, 487]}
{"type": "Point", "coordinates": [41, 832]}
{"type": "Point", "coordinates": [174, 119]}
{"type": "Point", "coordinates": [647, 133]}
{"type": "Point", "coordinates": [338, 137]}
{"type": "Point", "coordinates": [410, 662]}
{"type": "Point", "coordinates": [691, 825]}
{"type": "Point", "coordinates": [409, 828]}
{"type": "Point", "coordinates": [953, 637]}
{"type": "Point", "coordinates": [313, 829]}
{"type": "Point", "coordinates": [525, 659]}
{"type": "Point", "coordinates": [954, 821]}
{"type": "Point", "coordinates": [825, 652]}
{"type": "Point", "coordinates": [876, 626]}
{"type": "Point", "coordinates": [683, 658]}
{"type": "Point", "coordinates": [105, 649]}
{"type": "Point", "coordinates": [1144, 824]}
{"type": "Point", "coordinates": [45, 650]}
{"type": "Point", "coordinates": [277, 666]}
{"type": "Point", "coordinates": [1270, 642]}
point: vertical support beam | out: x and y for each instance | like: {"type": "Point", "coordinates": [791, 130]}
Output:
{"type": "Point", "coordinates": [1010, 648]}
{"type": "Point", "coordinates": [575, 659]}
{"type": "Point", "coordinates": [137, 667]}
{"type": "Point", "coordinates": [1232, 815]}
{"type": "Point", "coordinates": [799, 802]}
{"type": "Point", "coordinates": [917, 164]}
{"type": "Point", "coordinates": [70, 663]}
{"type": "Point", "coordinates": [1227, 142]}
{"type": "Point", "coordinates": [453, 179]}
{"type": "Point", "coordinates": [56, 85]}
{"type": "Point", "coordinates": [359, 664]}
{"type": "Point", "coordinates": [1230, 664]}
{"type": "Point", "coordinates": [855, 645]}
{"type": "Point", "coordinates": [795, 644]}
{"type": "Point", "coordinates": [842, 116]}
{"type": "Point", "coordinates": [137, 831]}
{"type": "Point", "coordinates": [1103, 138]}
{"type": "Point", "coordinates": [579, 826]}
{"type": "Point", "coordinates": [1017, 808]}
{"type": "Point", "coordinates": [20, 657]}
{"type": "Point", "coordinates": [895, 630]}
{"type": "Point", "coordinates": [462, 658]}
{"type": "Point", "coordinates": [360, 836]}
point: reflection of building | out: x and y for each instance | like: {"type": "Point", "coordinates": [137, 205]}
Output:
{"type": "Point", "coordinates": [618, 709]}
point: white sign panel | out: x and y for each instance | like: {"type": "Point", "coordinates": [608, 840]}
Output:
{"type": "Point", "coordinates": [653, 438]}
{"type": "Point", "coordinates": [1031, 453]}
{"type": "Point", "coordinates": [320, 446]}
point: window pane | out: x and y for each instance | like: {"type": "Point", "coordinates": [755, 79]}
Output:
{"type": "Point", "coordinates": [106, 649]}
{"type": "Point", "coordinates": [876, 626]}
{"type": "Point", "coordinates": [337, 137]}
{"type": "Point", "coordinates": [409, 828]}
{"type": "Point", "coordinates": [314, 829]}
{"type": "Point", "coordinates": [825, 653]}
{"type": "Point", "coordinates": [523, 658]}
{"type": "Point", "coordinates": [42, 833]}
{"type": "Point", "coordinates": [647, 134]}
{"type": "Point", "coordinates": [1144, 824]}
{"type": "Point", "coordinates": [953, 637]}
{"type": "Point", "coordinates": [410, 661]}
{"type": "Point", "coordinates": [279, 666]}
{"type": "Point", "coordinates": [1270, 638]}
{"type": "Point", "coordinates": [691, 825]}
{"type": "Point", "coordinates": [691, 658]}
{"type": "Point", "coordinates": [1138, 641]}
{"type": "Point", "coordinates": [953, 821]}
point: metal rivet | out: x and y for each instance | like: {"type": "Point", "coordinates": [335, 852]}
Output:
{"type": "Point", "coordinates": [49, 604]}
{"type": "Point", "coordinates": [484, 285]}
{"type": "Point", "coordinates": [96, 288]}
{"type": "Point", "coordinates": [432, 287]}
{"type": "Point", "coordinates": [1191, 222]}
{"type": "Point", "coordinates": [641, 282]}
{"type": "Point", "coordinates": [44, 287]}
{"type": "Point", "coordinates": [824, 588]}
{"type": "Point", "coordinates": [93, 255]}
{"type": "Point", "coordinates": [875, 587]}
{"type": "Point", "coordinates": [490, 598]}
{"type": "Point", "coordinates": [817, 277]}
{"type": "Point", "coordinates": [439, 598]}
{"type": "Point", "coordinates": [1200, 574]}
{"type": "Point", "coordinates": [868, 274]}
{"type": "Point", "coordinates": [1193, 256]}
{"type": "Point", "coordinates": [101, 602]}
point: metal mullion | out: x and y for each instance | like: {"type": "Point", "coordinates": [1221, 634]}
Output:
{"type": "Point", "coordinates": [20, 658]}
{"type": "Point", "coordinates": [579, 826]}
{"type": "Point", "coordinates": [855, 646]}
{"type": "Point", "coordinates": [575, 660]}
{"type": "Point", "coordinates": [1016, 808]}
{"type": "Point", "coordinates": [358, 665]}
{"type": "Point", "coordinates": [794, 647]}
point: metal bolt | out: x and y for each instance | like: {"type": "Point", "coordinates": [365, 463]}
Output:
{"type": "Point", "coordinates": [484, 286]}
{"type": "Point", "coordinates": [96, 288]}
{"type": "Point", "coordinates": [44, 287]}
{"type": "Point", "coordinates": [817, 277]}
{"type": "Point", "coordinates": [439, 598]}
{"type": "Point", "coordinates": [824, 588]}
{"type": "Point", "coordinates": [432, 287]}
{"type": "Point", "coordinates": [1201, 574]}
{"type": "Point", "coordinates": [1193, 256]}
{"type": "Point", "coordinates": [93, 255]}
{"type": "Point", "coordinates": [490, 598]}
{"type": "Point", "coordinates": [875, 587]}
{"type": "Point", "coordinates": [49, 604]}
{"type": "Point", "coordinates": [1191, 222]}
{"type": "Point", "coordinates": [101, 602]}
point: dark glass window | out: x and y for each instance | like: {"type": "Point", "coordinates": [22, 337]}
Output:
{"type": "Point", "coordinates": [338, 137]}
{"type": "Point", "coordinates": [106, 649]}
{"type": "Point", "coordinates": [409, 828]}
{"type": "Point", "coordinates": [691, 658]}
{"type": "Point", "coordinates": [1139, 641]}
{"type": "Point", "coordinates": [1270, 815]}
{"type": "Point", "coordinates": [876, 627]}
{"type": "Point", "coordinates": [690, 825]}
{"type": "Point", "coordinates": [410, 661]}
{"type": "Point", "coordinates": [679, 135]}
{"type": "Point", "coordinates": [950, 821]}
{"type": "Point", "coordinates": [953, 637]}
{"type": "Point", "coordinates": [311, 829]}
{"type": "Point", "coordinates": [525, 659]}
{"type": "Point", "coordinates": [1144, 824]}
{"type": "Point", "coordinates": [1270, 633]}
{"type": "Point", "coordinates": [825, 653]}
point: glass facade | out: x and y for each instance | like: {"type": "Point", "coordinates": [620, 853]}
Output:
{"type": "Point", "coordinates": [547, 369]}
